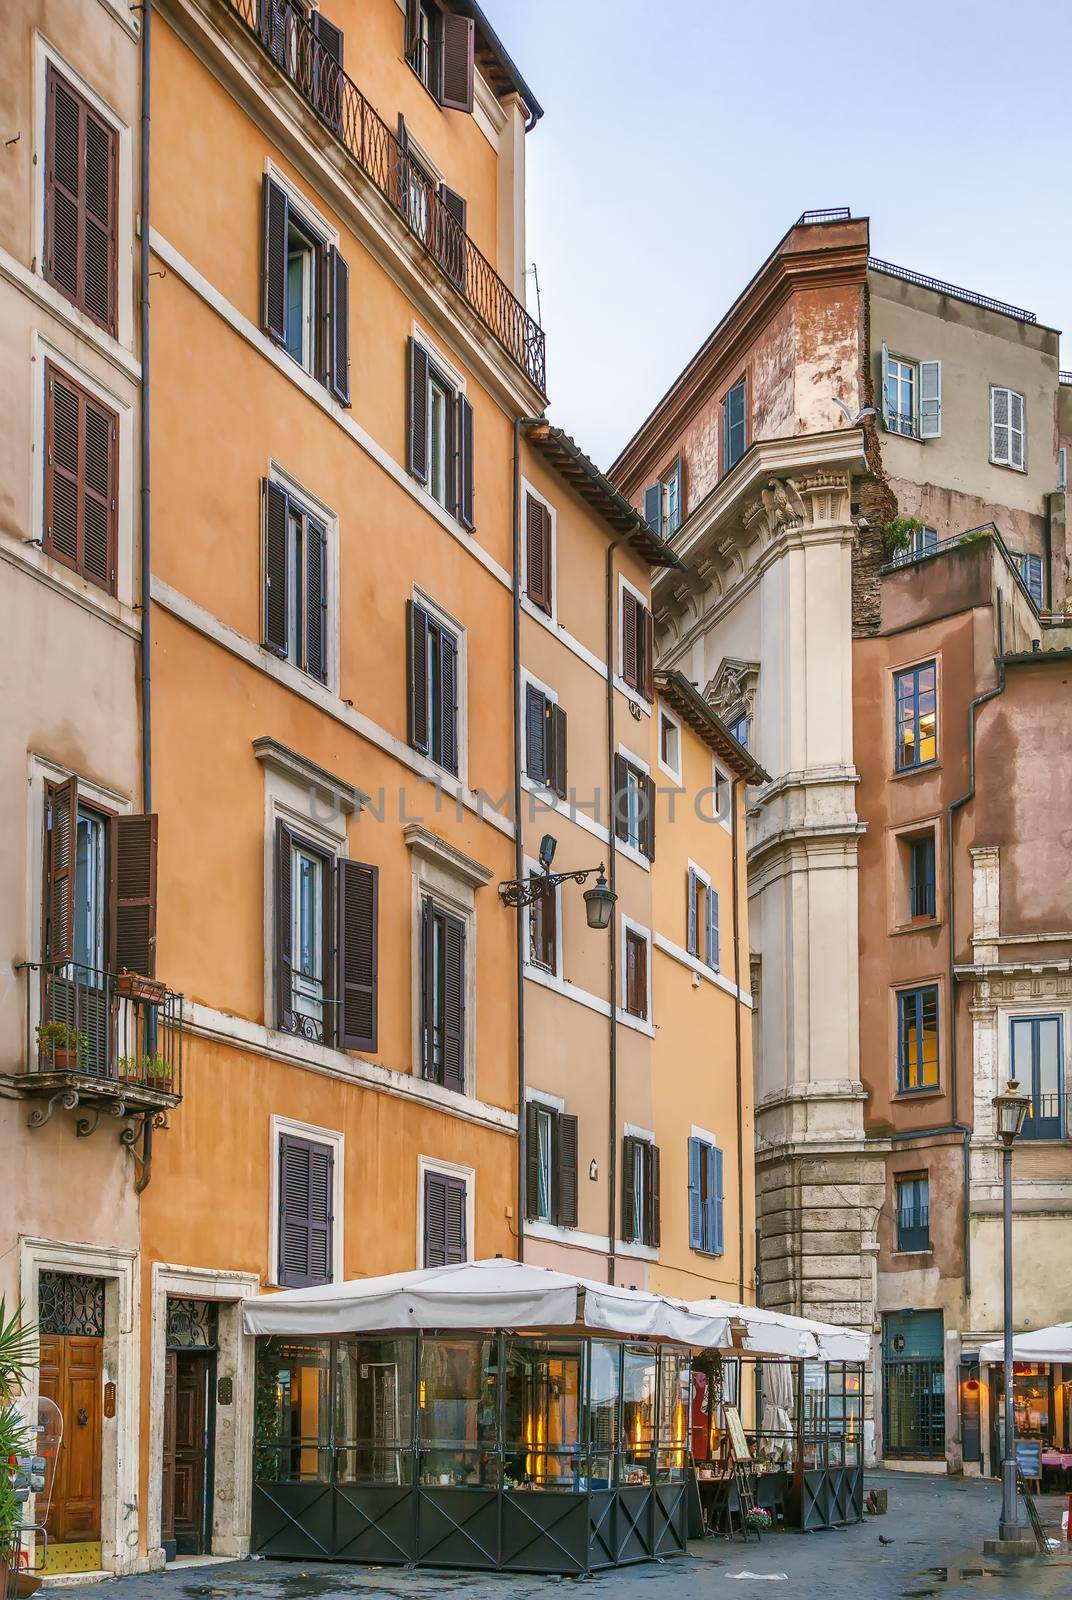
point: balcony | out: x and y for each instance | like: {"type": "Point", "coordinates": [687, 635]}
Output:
{"type": "Point", "coordinates": [102, 1043]}
{"type": "Point", "coordinates": [283, 34]}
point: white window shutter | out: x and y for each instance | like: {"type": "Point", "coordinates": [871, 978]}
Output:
{"type": "Point", "coordinates": [693, 935]}
{"type": "Point", "coordinates": [1062, 468]}
{"type": "Point", "coordinates": [1016, 429]}
{"type": "Point", "coordinates": [930, 399]}
{"type": "Point", "coordinates": [885, 388]}
{"type": "Point", "coordinates": [999, 426]}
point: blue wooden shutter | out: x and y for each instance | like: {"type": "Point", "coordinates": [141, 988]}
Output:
{"type": "Point", "coordinates": [696, 1156]}
{"type": "Point", "coordinates": [711, 950]}
{"type": "Point", "coordinates": [693, 945]}
{"type": "Point", "coordinates": [716, 1222]}
{"type": "Point", "coordinates": [653, 507]}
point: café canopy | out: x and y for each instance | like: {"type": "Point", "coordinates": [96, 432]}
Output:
{"type": "Point", "coordinates": [1052, 1344]}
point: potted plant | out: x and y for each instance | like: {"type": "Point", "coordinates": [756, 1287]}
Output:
{"type": "Point", "coordinates": [61, 1044]}
{"type": "Point", "coordinates": [157, 1073]}
{"type": "Point", "coordinates": [16, 1358]}
{"type": "Point", "coordinates": [132, 986]}
{"type": "Point", "coordinates": [898, 536]}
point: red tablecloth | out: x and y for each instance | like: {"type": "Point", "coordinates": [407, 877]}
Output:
{"type": "Point", "coordinates": [1057, 1458]}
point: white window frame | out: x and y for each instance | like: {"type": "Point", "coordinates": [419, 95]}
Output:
{"type": "Point", "coordinates": [531, 866]}
{"type": "Point", "coordinates": [551, 695]}
{"type": "Point", "coordinates": [645, 1023]}
{"type": "Point", "coordinates": [620, 684]}
{"type": "Point", "coordinates": [439, 873]}
{"type": "Point", "coordinates": [44, 54]}
{"type": "Point", "coordinates": [623, 846]}
{"type": "Point", "coordinates": [1007, 461]}
{"type": "Point", "coordinates": [529, 489]}
{"type": "Point", "coordinates": [669, 485]}
{"type": "Point", "coordinates": [449, 1169]}
{"type": "Point", "coordinates": [675, 722]}
{"type": "Point", "coordinates": [311, 506]}
{"type": "Point", "coordinates": [461, 635]}
{"type": "Point", "coordinates": [720, 777]}
{"type": "Point", "coordinates": [702, 875]}
{"type": "Point", "coordinates": [907, 368]}
{"type": "Point", "coordinates": [336, 1142]}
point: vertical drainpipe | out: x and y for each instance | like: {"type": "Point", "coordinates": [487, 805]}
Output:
{"type": "Point", "coordinates": [145, 658]}
{"type": "Point", "coordinates": [612, 872]}
{"type": "Point", "coordinates": [956, 805]}
{"type": "Point", "coordinates": [737, 1043]}
{"type": "Point", "coordinates": [519, 846]}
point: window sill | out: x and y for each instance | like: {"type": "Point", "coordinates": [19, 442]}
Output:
{"type": "Point", "coordinates": [712, 1255]}
{"type": "Point", "coordinates": [1009, 466]}
{"type": "Point", "coordinates": [901, 1254]}
{"type": "Point", "coordinates": [914, 772]}
{"type": "Point", "coordinates": [928, 1093]}
{"type": "Point", "coordinates": [917, 925]}
{"type": "Point", "coordinates": [909, 438]}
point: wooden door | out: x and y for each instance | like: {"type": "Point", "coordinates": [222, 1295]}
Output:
{"type": "Point", "coordinates": [71, 1374]}
{"type": "Point", "coordinates": [167, 1477]}
{"type": "Point", "coordinates": [190, 1456]}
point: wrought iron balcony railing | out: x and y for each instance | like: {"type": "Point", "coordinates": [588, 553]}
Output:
{"type": "Point", "coordinates": [922, 898]}
{"type": "Point", "coordinates": [114, 1034]}
{"type": "Point", "coordinates": [1046, 1119]}
{"type": "Point", "coordinates": [914, 1229]}
{"type": "Point", "coordinates": [285, 35]}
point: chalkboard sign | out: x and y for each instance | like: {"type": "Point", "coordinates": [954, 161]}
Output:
{"type": "Point", "coordinates": [1029, 1457]}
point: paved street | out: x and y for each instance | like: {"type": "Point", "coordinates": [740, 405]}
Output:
{"type": "Point", "coordinates": [936, 1525]}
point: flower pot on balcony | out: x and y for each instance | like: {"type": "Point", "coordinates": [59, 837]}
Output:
{"type": "Point", "coordinates": [132, 986]}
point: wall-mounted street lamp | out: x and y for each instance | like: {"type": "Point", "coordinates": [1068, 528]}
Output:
{"type": "Point", "coordinates": [598, 901]}
{"type": "Point", "coordinates": [1010, 1114]}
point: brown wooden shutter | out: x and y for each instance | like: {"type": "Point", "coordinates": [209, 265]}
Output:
{"type": "Point", "coordinates": [453, 241]}
{"type": "Point", "coordinates": [444, 1219]}
{"type": "Point", "coordinates": [81, 464]}
{"type": "Point", "coordinates": [417, 669]}
{"type": "Point", "coordinates": [535, 734]}
{"type": "Point", "coordinates": [284, 961]}
{"type": "Point", "coordinates": [621, 803]}
{"type": "Point", "coordinates": [316, 599]}
{"type": "Point", "coordinates": [81, 203]}
{"type": "Point", "coordinates": [276, 567]}
{"type": "Point", "coordinates": [359, 892]}
{"type": "Point", "coordinates": [427, 996]}
{"type": "Point", "coordinates": [61, 800]}
{"type": "Point", "coordinates": [418, 411]}
{"type": "Point", "coordinates": [306, 1203]}
{"type": "Point", "coordinates": [465, 463]}
{"type": "Point", "coordinates": [538, 553]}
{"type": "Point", "coordinates": [327, 69]}
{"type": "Point", "coordinates": [629, 1145]}
{"type": "Point", "coordinates": [647, 815]}
{"type": "Point", "coordinates": [653, 1218]}
{"type": "Point", "coordinates": [412, 20]}
{"type": "Point", "coordinates": [459, 38]}
{"type": "Point", "coordinates": [629, 640]}
{"type": "Point", "coordinates": [339, 342]}
{"type": "Point", "coordinates": [532, 1160]}
{"type": "Point", "coordinates": [543, 925]}
{"type": "Point", "coordinates": [456, 1229]}
{"type": "Point", "coordinates": [133, 896]}
{"type": "Point", "coordinates": [556, 749]}
{"type": "Point", "coordinates": [646, 682]}
{"type": "Point", "coordinates": [566, 1170]}
{"type": "Point", "coordinates": [276, 210]}
{"type": "Point", "coordinates": [453, 1003]}
{"type": "Point", "coordinates": [448, 703]}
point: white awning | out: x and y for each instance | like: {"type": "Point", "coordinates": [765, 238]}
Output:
{"type": "Point", "coordinates": [484, 1294]}
{"type": "Point", "coordinates": [1044, 1344]}
{"type": "Point", "coordinates": [776, 1333]}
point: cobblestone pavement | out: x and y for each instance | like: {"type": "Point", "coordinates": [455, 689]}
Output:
{"type": "Point", "coordinates": [935, 1527]}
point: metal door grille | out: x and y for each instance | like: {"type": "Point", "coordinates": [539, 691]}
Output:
{"type": "Point", "coordinates": [914, 1408]}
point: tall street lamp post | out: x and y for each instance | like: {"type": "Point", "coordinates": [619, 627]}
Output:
{"type": "Point", "coordinates": [1010, 1112]}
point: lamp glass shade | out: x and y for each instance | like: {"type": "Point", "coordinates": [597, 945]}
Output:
{"type": "Point", "coordinates": [1011, 1109]}
{"type": "Point", "coordinates": [599, 904]}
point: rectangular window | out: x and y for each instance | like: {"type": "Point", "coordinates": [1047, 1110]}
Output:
{"type": "Point", "coordinates": [81, 473]}
{"type": "Point", "coordinates": [638, 645]}
{"type": "Point", "coordinates": [921, 876]}
{"type": "Point", "coordinates": [634, 806]}
{"type": "Point", "coordinates": [900, 396]}
{"type": "Point", "coordinates": [445, 1219]}
{"type": "Point", "coordinates": [81, 161]}
{"type": "Point", "coordinates": [1062, 468]}
{"type": "Point", "coordinates": [706, 1201]}
{"type": "Point", "coordinates": [440, 47]}
{"type": "Point", "coordinates": [923, 542]}
{"type": "Point", "coordinates": [917, 1039]}
{"type": "Point", "coordinates": [1036, 1060]}
{"type": "Point", "coordinates": [440, 445]}
{"type": "Point", "coordinates": [669, 744]}
{"type": "Point", "coordinates": [635, 980]}
{"type": "Point", "coordinates": [703, 932]}
{"type": "Point", "coordinates": [739, 729]}
{"type": "Point", "coordinates": [539, 577]}
{"type": "Point", "coordinates": [913, 1214]}
{"type": "Point", "coordinates": [640, 1191]}
{"type": "Point", "coordinates": [1030, 569]}
{"type": "Point", "coordinates": [304, 935]}
{"type": "Point", "coordinates": [917, 716]}
{"type": "Point", "coordinates": [305, 299]}
{"type": "Point", "coordinates": [295, 582]}
{"type": "Point", "coordinates": [545, 740]}
{"type": "Point", "coordinates": [550, 1165]}
{"type": "Point", "coordinates": [1007, 428]}
{"type": "Point", "coordinates": [443, 957]}
{"type": "Point", "coordinates": [306, 1211]}
{"type": "Point", "coordinates": [543, 930]}
{"type": "Point", "coordinates": [433, 687]}
{"type": "Point", "coordinates": [734, 426]}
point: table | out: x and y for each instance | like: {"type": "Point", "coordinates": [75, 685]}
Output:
{"type": "Point", "coordinates": [1058, 1462]}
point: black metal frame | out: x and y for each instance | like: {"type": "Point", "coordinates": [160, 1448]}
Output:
{"type": "Point", "coordinates": [525, 891]}
{"type": "Point", "coordinates": [568, 1532]}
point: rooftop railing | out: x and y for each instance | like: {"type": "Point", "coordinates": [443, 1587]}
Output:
{"type": "Point", "coordinates": [285, 36]}
{"type": "Point", "coordinates": [951, 289]}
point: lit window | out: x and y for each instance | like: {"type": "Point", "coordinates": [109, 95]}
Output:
{"type": "Point", "coordinates": [917, 1039]}
{"type": "Point", "coordinates": [917, 716]}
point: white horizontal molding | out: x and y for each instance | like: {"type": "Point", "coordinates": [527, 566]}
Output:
{"type": "Point", "coordinates": [208, 1023]}
{"type": "Point", "coordinates": [28, 555]}
{"type": "Point", "coordinates": [288, 368]}
{"type": "Point", "coordinates": [599, 1242]}
{"type": "Point", "coordinates": [564, 637]}
{"type": "Point", "coordinates": [285, 673]}
{"type": "Point", "coordinates": [547, 803]}
{"type": "Point", "coordinates": [46, 298]}
{"type": "Point", "coordinates": [584, 997]}
{"type": "Point", "coordinates": [669, 948]}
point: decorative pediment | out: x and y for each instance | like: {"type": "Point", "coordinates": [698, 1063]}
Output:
{"type": "Point", "coordinates": [732, 690]}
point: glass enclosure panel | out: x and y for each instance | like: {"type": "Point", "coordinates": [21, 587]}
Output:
{"type": "Point", "coordinates": [604, 1420]}
{"type": "Point", "coordinates": [675, 1387]}
{"type": "Point", "coordinates": [542, 1428]}
{"type": "Point", "coordinates": [373, 1409]}
{"type": "Point", "coordinates": [292, 1417]}
{"type": "Point", "coordinates": [457, 1410]}
{"type": "Point", "coordinates": [640, 1386]}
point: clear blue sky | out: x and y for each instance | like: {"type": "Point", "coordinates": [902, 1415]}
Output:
{"type": "Point", "coordinates": [682, 137]}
